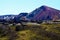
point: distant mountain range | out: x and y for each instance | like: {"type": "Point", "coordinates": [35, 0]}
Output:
{"type": "Point", "coordinates": [41, 13]}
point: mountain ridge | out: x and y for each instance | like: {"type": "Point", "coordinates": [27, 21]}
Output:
{"type": "Point", "coordinates": [41, 13]}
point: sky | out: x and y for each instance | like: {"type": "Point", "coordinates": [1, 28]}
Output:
{"type": "Point", "coordinates": [15, 7]}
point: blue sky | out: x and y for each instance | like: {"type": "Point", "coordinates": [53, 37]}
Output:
{"type": "Point", "coordinates": [18, 6]}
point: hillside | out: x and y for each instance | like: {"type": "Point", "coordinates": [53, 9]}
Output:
{"type": "Point", "coordinates": [44, 13]}
{"type": "Point", "coordinates": [30, 32]}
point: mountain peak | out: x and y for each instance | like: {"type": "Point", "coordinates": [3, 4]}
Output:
{"type": "Point", "coordinates": [44, 7]}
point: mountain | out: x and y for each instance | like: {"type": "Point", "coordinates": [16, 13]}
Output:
{"type": "Point", "coordinates": [44, 13]}
{"type": "Point", "coordinates": [12, 18]}
{"type": "Point", "coordinates": [41, 13]}
{"type": "Point", "coordinates": [20, 17]}
{"type": "Point", "coordinates": [7, 18]}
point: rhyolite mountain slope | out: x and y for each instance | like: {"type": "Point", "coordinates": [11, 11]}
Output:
{"type": "Point", "coordinates": [44, 13]}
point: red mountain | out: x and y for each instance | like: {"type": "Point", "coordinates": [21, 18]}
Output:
{"type": "Point", "coordinates": [44, 13]}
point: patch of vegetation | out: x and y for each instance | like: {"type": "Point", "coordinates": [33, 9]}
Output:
{"type": "Point", "coordinates": [30, 32]}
